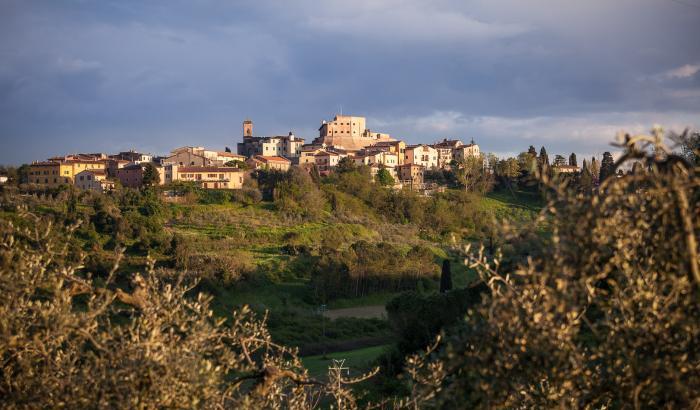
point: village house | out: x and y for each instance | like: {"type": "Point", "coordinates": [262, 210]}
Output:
{"type": "Point", "coordinates": [113, 164]}
{"type": "Point", "coordinates": [131, 176]}
{"type": "Point", "coordinates": [93, 180]}
{"type": "Point", "coordinates": [565, 169]}
{"type": "Point", "coordinates": [445, 150]}
{"type": "Point", "coordinates": [308, 153]}
{"type": "Point", "coordinates": [212, 177]}
{"type": "Point", "coordinates": [60, 171]}
{"type": "Point", "coordinates": [383, 158]}
{"type": "Point", "coordinates": [421, 154]}
{"type": "Point", "coordinates": [288, 146]}
{"type": "Point", "coordinates": [199, 156]}
{"type": "Point", "coordinates": [132, 156]}
{"type": "Point", "coordinates": [465, 151]}
{"type": "Point", "coordinates": [326, 160]}
{"type": "Point", "coordinates": [396, 147]}
{"type": "Point", "coordinates": [263, 162]}
{"type": "Point", "coordinates": [410, 175]}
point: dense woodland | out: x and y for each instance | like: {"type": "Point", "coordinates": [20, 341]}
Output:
{"type": "Point", "coordinates": [584, 294]}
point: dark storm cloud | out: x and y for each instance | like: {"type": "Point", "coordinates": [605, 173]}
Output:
{"type": "Point", "coordinates": [110, 75]}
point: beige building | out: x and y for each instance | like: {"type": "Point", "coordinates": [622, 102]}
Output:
{"type": "Point", "coordinates": [60, 172]}
{"type": "Point", "coordinates": [465, 151]}
{"type": "Point", "coordinates": [93, 180]}
{"type": "Point", "coordinates": [348, 132]}
{"type": "Point", "coordinates": [264, 162]}
{"type": "Point", "coordinates": [397, 147]}
{"type": "Point", "coordinates": [212, 177]}
{"type": "Point", "coordinates": [113, 165]}
{"type": "Point", "coordinates": [199, 156]}
{"type": "Point", "coordinates": [445, 150]}
{"type": "Point", "coordinates": [308, 153]}
{"type": "Point", "coordinates": [289, 146]}
{"type": "Point", "coordinates": [326, 160]}
{"type": "Point", "coordinates": [410, 175]}
{"type": "Point", "coordinates": [421, 154]}
{"type": "Point", "coordinates": [131, 176]}
{"type": "Point", "coordinates": [132, 157]}
{"type": "Point", "coordinates": [382, 158]}
{"type": "Point", "coordinates": [565, 169]}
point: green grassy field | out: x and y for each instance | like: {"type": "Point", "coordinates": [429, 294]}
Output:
{"type": "Point", "coordinates": [357, 361]}
{"type": "Point", "coordinates": [258, 235]}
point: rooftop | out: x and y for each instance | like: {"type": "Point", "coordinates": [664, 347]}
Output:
{"type": "Point", "coordinates": [209, 169]}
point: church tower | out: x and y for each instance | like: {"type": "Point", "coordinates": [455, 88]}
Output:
{"type": "Point", "coordinates": [247, 129]}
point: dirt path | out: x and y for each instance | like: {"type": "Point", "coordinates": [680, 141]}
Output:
{"type": "Point", "coordinates": [364, 312]}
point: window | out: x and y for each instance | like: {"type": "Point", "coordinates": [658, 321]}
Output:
{"type": "Point", "coordinates": [82, 177]}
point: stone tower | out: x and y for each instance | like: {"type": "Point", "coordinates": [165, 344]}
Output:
{"type": "Point", "coordinates": [247, 129]}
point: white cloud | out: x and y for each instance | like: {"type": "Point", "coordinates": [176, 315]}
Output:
{"type": "Point", "coordinates": [685, 71]}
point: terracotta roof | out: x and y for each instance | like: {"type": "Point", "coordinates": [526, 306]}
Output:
{"type": "Point", "coordinates": [271, 159]}
{"type": "Point", "coordinates": [98, 171]}
{"type": "Point", "coordinates": [445, 143]}
{"type": "Point", "coordinates": [229, 154]}
{"type": "Point", "coordinates": [209, 169]}
{"type": "Point", "coordinates": [324, 153]}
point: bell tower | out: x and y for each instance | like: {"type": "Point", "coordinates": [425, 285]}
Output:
{"type": "Point", "coordinates": [247, 128]}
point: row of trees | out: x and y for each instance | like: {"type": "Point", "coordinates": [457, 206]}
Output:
{"type": "Point", "coordinates": [367, 268]}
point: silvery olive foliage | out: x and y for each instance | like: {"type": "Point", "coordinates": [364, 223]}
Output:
{"type": "Point", "coordinates": [609, 318]}
{"type": "Point", "coordinates": [68, 340]}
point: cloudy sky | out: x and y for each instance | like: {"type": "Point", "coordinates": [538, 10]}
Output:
{"type": "Point", "coordinates": [153, 75]}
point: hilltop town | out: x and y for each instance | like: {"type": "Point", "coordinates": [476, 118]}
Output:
{"type": "Point", "coordinates": [344, 138]}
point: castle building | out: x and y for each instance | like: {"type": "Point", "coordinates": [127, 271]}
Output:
{"type": "Point", "coordinates": [348, 132]}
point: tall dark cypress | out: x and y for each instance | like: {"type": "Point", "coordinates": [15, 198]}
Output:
{"type": "Point", "coordinates": [544, 158]}
{"type": "Point", "coordinates": [607, 166]}
{"type": "Point", "coordinates": [446, 277]}
{"type": "Point", "coordinates": [572, 160]}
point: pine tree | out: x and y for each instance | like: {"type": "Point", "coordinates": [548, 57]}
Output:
{"type": "Point", "coordinates": [572, 160]}
{"type": "Point", "coordinates": [446, 277]}
{"type": "Point", "coordinates": [559, 160]}
{"type": "Point", "coordinates": [532, 151]}
{"type": "Point", "coordinates": [607, 166]}
{"type": "Point", "coordinates": [346, 164]}
{"type": "Point", "coordinates": [150, 175]}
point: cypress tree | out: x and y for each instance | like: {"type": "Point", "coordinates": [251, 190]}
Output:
{"type": "Point", "coordinates": [572, 160]}
{"type": "Point", "coordinates": [445, 277]}
{"type": "Point", "coordinates": [607, 166]}
{"type": "Point", "coordinates": [544, 158]}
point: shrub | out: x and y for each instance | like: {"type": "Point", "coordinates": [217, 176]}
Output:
{"type": "Point", "coordinates": [66, 342]}
{"type": "Point", "coordinates": [607, 317]}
